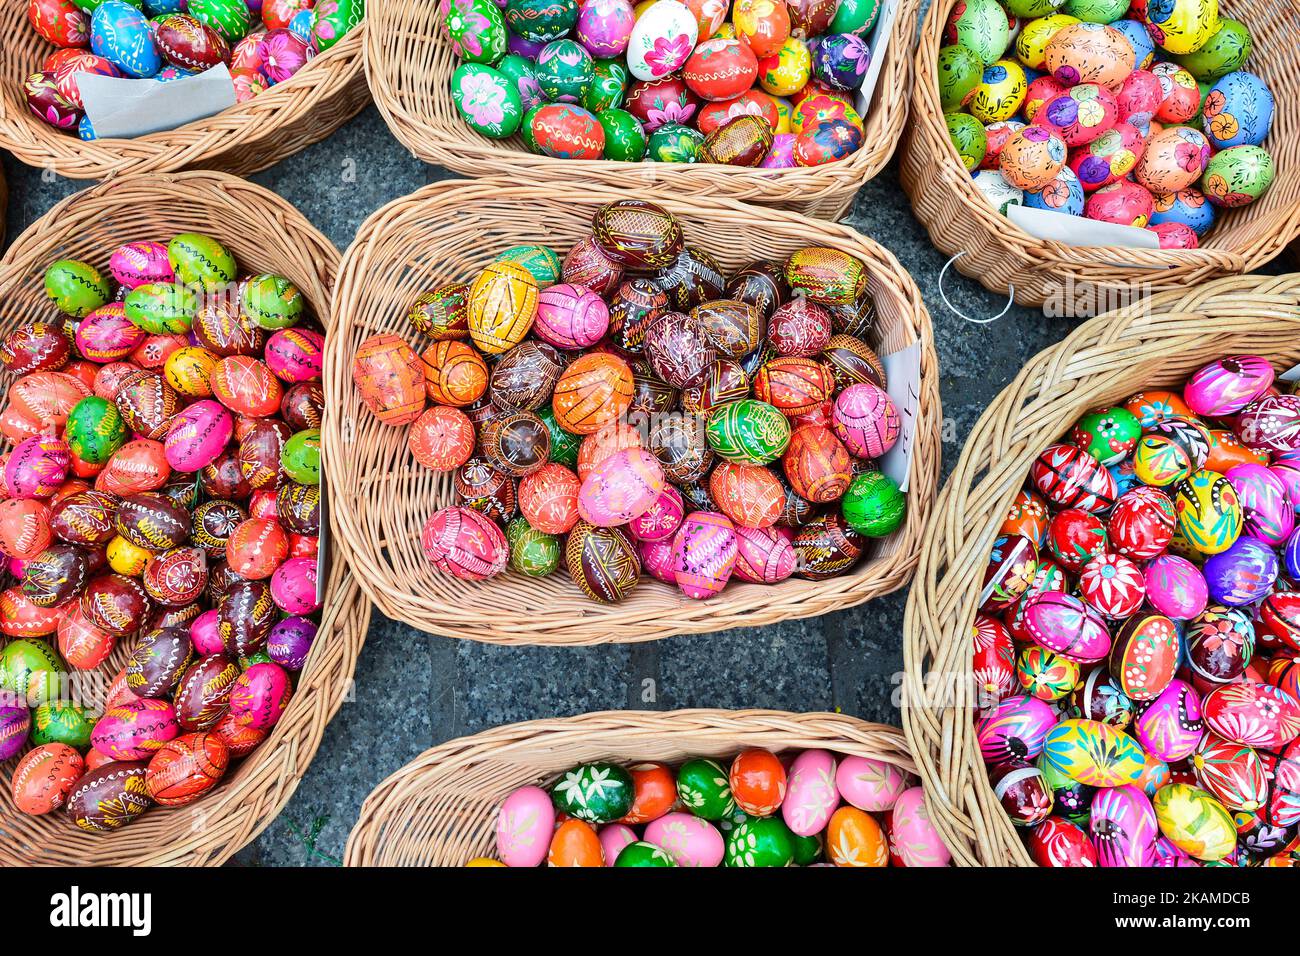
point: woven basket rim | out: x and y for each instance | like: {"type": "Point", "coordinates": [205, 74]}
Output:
{"type": "Point", "coordinates": [433, 132]}
{"type": "Point", "coordinates": [591, 623]}
{"type": "Point", "coordinates": [1104, 359]}
{"type": "Point", "coordinates": [273, 125]}
{"type": "Point", "coordinates": [560, 742]}
{"type": "Point", "coordinates": [949, 205]}
{"type": "Point", "coordinates": [211, 830]}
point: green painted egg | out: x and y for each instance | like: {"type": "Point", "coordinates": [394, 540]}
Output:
{"type": "Point", "coordinates": [625, 139]}
{"type": "Point", "coordinates": [608, 86]}
{"type": "Point", "coordinates": [594, 792]}
{"type": "Point", "coordinates": [300, 457]}
{"type": "Point", "coordinates": [486, 100]}
{"type": "Point", "coordinates": [62, 723]}
{"type": "Point", "coordinates": [960, 71]}
{"type": "Point", "coordinates": [201, 260]}
{"type": "Point", "coordinates": [1096, 11]}
{"type": "Point", "coordinates": [1108, 434]}
{"type": "Point", "coordinates": [968, 138]}
{"type": "Point", "coordinates": [703, 789]}
{"type": "Point", "coordinates": [230, 18]}
{"type": "Point", "coordinates": [748, 432]}
{"type": "Point", "coordinates": [855, 16]}
{"type": "Point", "coordinates": [564, 71]}
{"type": "Point", "coordinates": [1194, 821]}
{"type": "Point", "coordinates": [261, 657]}
{"type": "Point", "coordinates": [541, 261]}
{"type": "Point", "coordinates": [564, 444]}
{"type": "Point", "coordinates": [477, 31]}
{"type": "Point", "coordinates": [32, 670]}
{"type": "Point", "coordinates": [527, 128]}
{"type": "Point", "coordinates": [541, 20]}
{"type": "Point", "coordinates": [334, 18]}
{"type": "Point", "coordinates": [272, 302]}
{"type": "Point", "coordinates": [77, 288]}
{"type": "Point", "coordinates": [532, 552]}
{"type": "Point", "coordinates": [641, 853]}
{"type": "Point", "coordinates": [95, 430]}
{"type": "Point", "coordinates": [981, 26]}
{"type": "Point", "coordinates": [675, 143]}
{"type": "Point", "coordinates": [161, 308]}
{"type": "Point", "coordinates": [765, 841]}
{"type": "Point", "coordinates": [1226, 51]}
{"type": "Point", "coordinates": [807, 849]}
{"type": "Point", "coordinates": [1237, 176]}
{"type": "Point", "coordinates": [1028, 9]}
{"type": "Point", "coordinates": [873, 505]}
{"type": "Point", "coordinates": [519, 71]}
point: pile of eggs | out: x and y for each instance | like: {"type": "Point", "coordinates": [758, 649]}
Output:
{"type": "Point", "coordinates": [162, 490]}
{"type": "Point", "coordinates": [263, 42]}
{"type": "Point", "coordinates": [807, 808]}
{"type": "Point", "coordinates": [630, 406]}
{"type": "Point", "coordinates": [672, 81]}
{"type": "Point", "coordinates": [1136, 647]}
{"type": "Point", "coordinates": [1139, 115]}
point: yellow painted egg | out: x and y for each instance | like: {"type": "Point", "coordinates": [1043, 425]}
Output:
{"type": "Point", "coordinates": [1093, 753]}
{"type": "Point", "coordinates": [786, 72]}
{"type": "Point", "coordinates": [484, 861]}
{"type": "Point", "coordinates": [1032, 157]}
{"type": "Point", "coordinates": [812, 111]}
{"type": "Point", "coordinates": [999, 93]}
{"type": "Point", "coordinates": [502, 305]}
{"type": "Point", "coordinates": [784, 113]}
{"type": "Point", "coordinates": [1089, 53]}
{"type": "Point", "coordinates": [127, 558]}
{"type": "Point", "coordinates": [1209, 512]}
{"type": "Point", "coordinates": [1182, 26]}
{"type": "Point", "coordinates": [1031, 45]}
{"type": "Point", "coordinates": [1194, 821]}
{"type": "Point", "coordinates": [189, 371]}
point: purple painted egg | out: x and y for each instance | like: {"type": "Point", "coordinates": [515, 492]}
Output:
{"type": "Point", "coordinates": [1123, 826]}
{"type": "Point", "coordinates": [1227, 386]}
{"type": "Point", "coordinates": [37, 467]}
{"type": "Point", "coordinates": [296, 355]}
{"type": "Point", "coordinates": [1176, 587]}
{"type": "Point", "coordinates": [657, 559]}
{"type": "Point", "coordinates": [293, 586]}
{"type": "Point", "coordinates": [15, 722]}
{"type": "Point", "coordinates": [1064, 624]}
{"type": "Point", "coordinates": [135, 729]}
{"type": "Point", "coordinates": [604, 27]}
{"type": "Point", "coordinates": [204, 634]}
{"type": "Point", "coordinates": [620, 488]}
{"type": "Point", "coordinates": [1291, 555]}
{"type": "Point", "coordinates": [1015, 729]}
{"type": "Point", "coordinates": [1272, 424]}
{"type": "Point", "coordinates": [290, 642]}
{"type": "Point", "coordinates": [866, 420]}
{"type": "Point", "coordinates": [1266, 505]}
{"type": "Point", "coordinates": [259, 696]}
{"type": "Point", "coordinates": [1243, 574]}
{"type": "Point", "coordinates": [140, 263]}
{"type": "Point", "coordinates": [197, 435]}
{"type": "Point", "coordinates": [48, 102]}
{"type": "Point", "coordinates": [1171, 726]}
{"type": "Point", "coordinates": [107, 335]}
{"type": "Point", "coordinates": [704, 554]}
{"type": "Point", "coordinates": [764, 555]}
{"type": "Point", "coordinates": [781, 155]}
{"type": "Point", "coordinates": [570, 316]}
{"type": "Point", "coordinates": [662, 519]}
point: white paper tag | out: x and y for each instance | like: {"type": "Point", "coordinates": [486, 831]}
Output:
{"type": "Point", "coordinates": [1077, 231]}
{"type": "Point", "coordinates": [124, 108]}
{"type": "Point", "coordinates": [322, 545]}
{"type": "Point", "coordinates": [877, 44]}
{"type": "Point", "coordinates": [1290, 375]}
{"type": "Point", "coordinates": [903, 370]}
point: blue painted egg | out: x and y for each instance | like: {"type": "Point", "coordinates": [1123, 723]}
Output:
{"type": "Point", "coordinates": [1238, 111]}
{"type": "Point", "coordinates": [302, 23]}
{"type": "Point", "coordinates": [1243, 574]}
{"type": "Point", "coordinates": [1188, 206]}
{"type": "Point", "coordinates": [1062, 194]}
{"type": "Point", "coordinates": [120, 34]}
{"type": "Point", "coordinates": [1144, 48]}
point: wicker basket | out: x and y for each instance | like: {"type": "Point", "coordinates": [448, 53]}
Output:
{"type": "Point", "coordinates": [1073, 280]}
{"type": "Point", "coordinates": [381, 497]}
{"type": "Point", "coordinates": [244, 139]}
{"type": "Point", "coordinates": [1156, 343]}
{"type": "Point", "coordinates": [265, 233]}
{"type": "Point", "coordinates": [441, 809]}
{"type": "Point", "coordinates": [409, 62]}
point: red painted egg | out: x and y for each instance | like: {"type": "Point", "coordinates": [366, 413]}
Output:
{"type": "Point", "coordinates": [463, 543]}
{"type": "Point", "coordinates": [720, 69]}
{"type": "Point", "coordinates": [817, 464]}
{"type": "Point", "coordinates": [44, 777]}
{"type": "Point", "coordinates": [1075, 538]}
{"type": "Point", "coordinates": [186, 768]}
{"type": "Point", "coordinates": [1142, 523]}
{"type": "Point", "coordinates": [1071, 478]}
{"type": "Point", "coordinates": [1252, 713]}
{"type": "Point", "coordinates": [256, 548]}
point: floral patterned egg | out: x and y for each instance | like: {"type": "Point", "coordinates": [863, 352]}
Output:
{"type": "Point", "coordinates": [1113, 585]}
{"type": "Point", "coordinates": [1280, 612]}
{"type": "Point", "coordinates": [1180, 99]}
{"type": "Point", "coordinates": [1013, 562]}
{"type": "Point", "coordinates": [912, 836]}
{"type": "Point", "coordinates": [960, 70]}
{"type": "Point", "coordinates": [1016, 728]}
{"type": "Point", "coordinates": [1046, 675]}
{"type": "Point", "coordinates": [1182, 26]}
{"type": "Point", "coordinates": [120, 34]}
{"type": "Point", "coordinates": [662, 39]}
{"type": "Point", "coordinates": [621, 488]}
{"type": "Point", "coordinates": [1232, 773]}
{"type": "Point", "coordinates": [463, 543]}
{"type": "Point", "coordinates": [1226, 386]}
{"type": "Point", "coordinates": [1058, 842]}
{"type": "Point", "coordinates": [1123, 826]}
{"type": "Point", "coordinates": [1064, 624]}
{"type": "Point", "coordinates": [1238, 111]}
{"type": "Point", "coordinates": [758, 782]}
{"type": "Point", "coordinates": [1272, 424]}
{"type": "Point", "coordinates": [854, 838]}
{"type": "Point", "coordinates": [1220, 641]}
{"type": "Point", "coordinates": [1238, 175]}
{"type": "Point", "coordinates": [1242, 575]}
{"type": "Point", "coordinates": [1000, 92]}
{"type": "Point", "coordinates": [662, 519]}
{"type": "Point", "coordinates": [840, 61]}
{"type": "Point", "coordinates": [1080, 115]}
{"type": "Point", "coordinates": [1071, 478]}
{"type": "Point", "coordinates": [564, 71]}
{"type": "Point", "coordinates": [1089, 53]}
{"type": "Point", "coordinates": [1108, 158]}
{"type": "Point", "coordinates": [1093, 753]}
{"type": "Point", "coordinates": [1032, 157]}
{"type": "Point", "coordinates": [37, 467]}
{"type": "Point", "coordinates": [993, 662]}
{"type": "Point", "coordinates": [1141, 525]}
{"type": "Point", "coordinates": [1171, 727]}
{"type": "Point", "coordinates": [1123, 203]}
{"type": "Point", "coordinates": [524, 826]}
{"type": "Point", "coordinates": [1145, 656]}
{"type": "Point", "coordinates": [1187, 207]}
{"type": "Point", "coordinates": [720, 69]}
{"type": "Point", "coordinates": [786, 71]}
{"type": "Point", "coordinates": [1209, 512]}
{"type": "Point", "coordinates": [1252, 713]}
{"type": "Point", "coordinates": [566, 131]}
{"type": "Point", "coordinates": [689, 840]}
{"type": "Point", "coordinates": [604, 27]}
{"type": "Point", "coordinates": [1039, 92]}
{"type": "Point", "coordinates": [1063, 194]}
{"type": "Point", "coordinates": [704, 554]}
{"type": "Point", "coordinates": [981, 26]}
{"type": "Point", "coordinates": [666, 101]}
{"type": "Point", "coordinates": [1173, 159]}
{"type": "Point", "coordinates": [968, 138]}
{"type": "Point", "coordinates": [1139, 97]}
{"type": "Point", "coordinates": [486, 100]}
{"type": "Point", "coordinates": [1195, 822]}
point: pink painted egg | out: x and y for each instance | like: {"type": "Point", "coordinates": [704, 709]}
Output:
{"type": "Point", "coordinates": [293, 586]}
{"type": "Point", "coordinates": [1140, 95]}
{"type": "Point", "coordinates": [37, 467]}
{"type": "Point", "coordinates": [662, 519]}
{"type": "Point", "coordinates": [139, 263]}
{"type": "Point", "coordinates": [1108, 158]}
{"type": "Point", "coordinates": [525, 823]}
{"type": "Point", "coordinates": [704, 554]}
{"type": "Point", "coordinates": [811, 795]}
{"type": "Point", "coordinates": [1015, 729]}
{"type": "Point", "coordinates": [1252, 713]}
{"type": "Point", "coordinates": [1123, 827]}
{"type": "Point", "coordinates": [1174, 159]}
{"type": "Point", "coordinates": [464, 543]}
{"type": "Point", "coordinates": [1271, 424]}
{"type": "Point", "coordinates": [259, 696]}
{"type": "Point", "coordinates": [198, 434]}
{"type": "Point", "coordinates": [1176, 587]}
{"type": "Point", "coordinates": [605, 26]}
{"type": "Point", "coordinates": [764, 555]}
{"type": "Point", "coordinates": [204, 634]}
{"type": "Point", "coordinates": [1123, 203]}
{"type": "Point", "coordinates": [570, 316]}
{"type": "Point", "coordinates": [781, 155]}
{"type": "Point", "coordinates": [1226, 386]}
{"type": "Point", "coordinates": [657, 559]}
{"type": "Point", "coordinates": [296, 355]}
{"type": "Point", "coordinates": [1064, 624]}
{"type": "Point", "coordinates": [107, 335]}
{"type": "Point", "coordinates": [866, 420]}
{"type": "Point", "coordinates": [621, 488]}
{"type": "Point", "coordinates": [689, 840]}
{"type": "Point", "coordinates": [134, 729]}
{"type": "Point", "coordinates": [1266, 505]}
{"type": "Point", "coordinates": [1175, 235]}
{"type": "Point", "coordinates": [1081, 114]}
{"type": "Point", "coordinates": [870, 785]}
{"type": "Point", "coordinates": [912, 837]}
{"type": "Point", "coordinates": [614, 837]}
{"type": "Point", "coordinates": [1171, 726]}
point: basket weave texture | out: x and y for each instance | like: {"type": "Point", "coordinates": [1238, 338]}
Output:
{"type": "Point", "coordinates": [441, 809]}
{"type": "Point", "coordinates": [1002, 256]}
{"type": "Point", "coordinates": [1154, 344]}
{"type": "Point", "coordinates": [244, 139]}
{"type": "Point", "coordinates": [266, 234]}
{"type": "Point", "coordinates": [381, 497]}
{"type": "Point", "coordinates": [409, 62]}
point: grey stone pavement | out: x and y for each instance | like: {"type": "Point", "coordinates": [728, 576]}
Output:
{"type": "Point", "coordinates": [414, 690]}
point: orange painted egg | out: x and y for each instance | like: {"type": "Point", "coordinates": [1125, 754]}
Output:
{"type": "Point", "coordinates": [548, 499]}
{"type": "Point", "coordinates": [854, 838]}
{"type": "Point", "coordinates": [24, 527]}
{"type": "Point", "coordinates": [762, 25]}
{"type": "Point", "coordinates": [44, 778]}
{"type": "Point", "coordinates": [654, 792]}
{"type": "Point", "coordinates": [575, 843]}
{"type": "Point", "coordinates": [441, 438]}
{"type": "Point", "coordinates": [595, 389]}
{"type": "Point", "coordinates": [454, 374]}
{"type": "Point", "coordinates": [1090, 53]}
{"type": "Point", "coordinates": [817, 465]}
{"type": "Point", "coordinates": [794, 384]}
{"type": "Point", "coordinates": [390, 379]}
{"type": "Point", "coordinates": [1032, 157]}
{"type": "Point", "coordinates": [247, 386]}
{"type": "Point", "coordinates": [1174, 159]}
{"type": "Point", "coordinates": [186, 768]}
{"type": "Point", "coordinates": [750, 495]}
{"type": "Point", "coordinates": [758, 781]}
{"type": "Point", "coordinates": [502, 306]}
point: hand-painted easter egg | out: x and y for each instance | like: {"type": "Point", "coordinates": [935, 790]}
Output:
{"type": "Point", "coordinates": [1227, 49]}
{"type": "Point", "coordinates": [1123, 827]}
{"type": "Point", "coordinates": [120, 34]}
{"type": "Point", "coordinates": [197, 435]}
{"type": "Point", "coordinates": [564, 71]}
{"type": "Point", "coordinates": [203, 694]}
{"type": "Point", "coordinates": [524, 826]}
{"type": "Point", "coordinates": [1237, 176]}
{"type": "Point", "coordinates": [1238, 110]}
{"type": "Point", "coordinates": [1089, 53]}
{"type": "Point", "coordinates": [1170, 727]}
{"type": "Point", "coordinates": [245, 614]}
{"type": "Point", "coordinates": [969, 139]}
{"type": "Point", "coordinates": [757, 780]}
{"type": "Point", "coordinates": [541, 21]}
{"type": "Point", "coordinates": [840, 61]}
{"type": "Point", "coordinates": [44, 778]}
{"type": "Point", "coordinates": [1242, 575]}
{"type": "Point", "coordinates": [1145, 655]}
{"type": "Point", "coordinates": [1173, 159]}
{"type": "Point", "coordinates": [1123, 203]}
{"type": "Point", "coordinates": [109, 797]}
{"type": "Point", "coordinates": [454, 373]}
{"type": "Point", "coordinates": [1182, 26]}
{"type": "Point", "coordinates": [1016, 728]}
{"type": "Point", "coordinates": [720, 69]}
{"type": "Point", "coordinates": [461, 542]}
{"type": "Point", "coordinates": [621, 488]}
{"type": "Point", "coordinates": [1232, 773]}
{"type": "Point", "coordinates": [960, 71]}
{"type": "Point", "coordinates": [260, 695]}
{"type": "Point", "coordinates": [748, 432]}
{"type": "Point", "coordinates": [811, 795]}
{"type": "Point", "coordinates": [742, 141]}
{"type": "Point", "coordinates": [1108, 158]}
{"type": "Point", "coordinates": [1064, 624]}
{"type": "Point", "coordinates": [1252, 713]}
{"type": "Point", "coordinates": [570, 316]}
{"type": "Point", "coordinates": [873, 505]}
{"type": "Point", "coordinates": [1209, 512]}
{"type": "Point", "coordinates": [1081, 115]}
{"type": "Point", "coordinates": [595, 389]}
{"type": "Point", "coordinates": [1195, 822]}
{"type": "Point", "coordinates": [390, 379]}
{"type": "Point", "coordinates": [704, 554]}
{"type": "Point", "coordinates": [913, 837]}
{"type": "Point", "coordinates": [603, 562]}
{"type": "Point", "coordinates": [817, 464]}
{"type": "Point", "coordinates": [1032, 157]}
{"type": "Point", "coordinates": [763, 842]}
{"type": "Point", "coordinates": [1071, 478]}
{"type": "Point", "coordinates": [502, 305]}
{"type": "Point", "coordinates": [1225, 387]}
{"type": "Point", "coordinates": [159, 659]}
{"type": "Point", "coordinates": [1000, 92]}
{"type": "Point", "coordinates": [1093, 753]}
{"type": "Point", "coordinates": [661, 40]}
{"type": "Point", "coordinates": [978, 25]}
{"type": "Point", "coordinates": [186, 768]}
{"type": "Point", "coordinates": [594, 792]}
{"type": "Point", "coordinates": [60, 22]}
{"type": "Point", "coordinates": [135, 730]}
